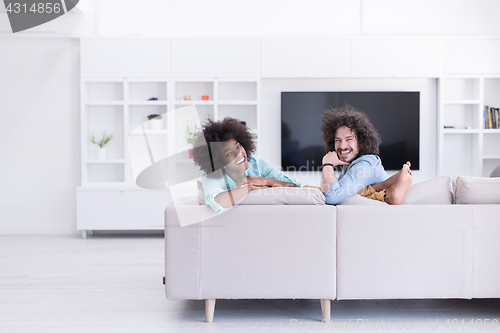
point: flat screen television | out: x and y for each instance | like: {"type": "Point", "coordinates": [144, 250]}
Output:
{"type": "Point", "coordinates": [395, 115]}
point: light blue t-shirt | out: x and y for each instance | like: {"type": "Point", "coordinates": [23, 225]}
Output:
{"type": "Point", "coordinates": [363, 171]}
{"type": "Point", "coordinates": [256, 167]}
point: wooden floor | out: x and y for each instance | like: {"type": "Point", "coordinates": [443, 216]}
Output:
{"type": "Point", "coordinates": [114, 284]}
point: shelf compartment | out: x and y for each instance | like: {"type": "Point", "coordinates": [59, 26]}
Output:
{"type": "Point", "coordinates": [238, 91]}
{"type": "Point", "coordinates": [205, 112]}
{"type": "Point", "coordinates": [460, 88]}
{"type": "Point", "coordinates": [138, 114]}
{"type": "Point", "coordinates": [106, 172]}
{"type": "Point", "coordinates": [182, 120]}
{"type": "Point", "coordinates": [489, 165]}
{"type": "Point", "coordinates": [246, 113]}
{"type": "Point", "coordinates": [107, 119]}
{"type": "Point", "coordinates": [491, 144]}
{"type": "Point", "coordinates": [103, 91]}
{"type": "Point", "coordinates": [457, 152]}
{"type": "Point", "coordinates": [194, 89]}
{"type": "Point", "coordinates": [461, 116]}
{"type": "Point", "coordinates": [143, 91]}
{"type": "Point", "coordinates": [492, 92]}
{"type": "Point", "coordinates": [139, 152]}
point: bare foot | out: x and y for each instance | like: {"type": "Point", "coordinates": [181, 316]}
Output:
{"type": "Point", "coordinates": [391, 180]}
{"type": "Point", "coordinates": [395, 195]}
{"type": "Point", "coordinates": [409, 166]}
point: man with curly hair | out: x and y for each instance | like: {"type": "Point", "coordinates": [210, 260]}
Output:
{"type": "Point", "coordinates": [353, 143]}
{"type": "Point", "coordinates": [223, 149]}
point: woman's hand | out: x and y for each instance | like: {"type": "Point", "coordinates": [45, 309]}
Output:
{"type": "Point", "coordinates": [333, 158]}
{"type": "Point", "coordinates": [254, 182]}
{"type": "Point", "coordinates": [259, 181]}
{"type": "Point", "coordinates": [230, 197]}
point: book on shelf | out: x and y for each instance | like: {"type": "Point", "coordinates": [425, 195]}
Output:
{"type": "Point", "coordinates": [491, 117]}
{"type": "Point", "coordinates": [485, 120]}
{"type": "Point", "coordinates": [497, 125]}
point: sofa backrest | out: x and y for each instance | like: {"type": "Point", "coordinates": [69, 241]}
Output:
{"type": "Point", "coordinates": [258, 251]}
{"type": "Point", "coordinates": [407, 251]}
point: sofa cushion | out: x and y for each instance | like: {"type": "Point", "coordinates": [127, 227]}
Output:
{"type": "Point", "coordinates": [436, 191]}
{"type": "Point", "coordinates": [285, 196]}
{"type": "Point", "coordinates": [277, 196]}
{"type": "Point", "coordinates": [477, 190]}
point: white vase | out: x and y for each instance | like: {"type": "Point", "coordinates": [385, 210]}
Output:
{"type": "Point", "coordinates": [101, 153]}
{"type": "Point", "coordinates": [156, 124]}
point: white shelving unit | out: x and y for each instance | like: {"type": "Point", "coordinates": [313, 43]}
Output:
{"type": "Point", "coordinates": [118, 106]}
{"type": "Point", "coordinates": [465, 147]}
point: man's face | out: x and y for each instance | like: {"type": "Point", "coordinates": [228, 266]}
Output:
{"type": "Point", "coordinates": [346, 144]}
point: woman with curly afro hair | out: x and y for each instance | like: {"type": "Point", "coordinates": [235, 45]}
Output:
{"type": "Point", "coordinates": [353, 143]}
{"type": "Point", "coordinates": [223, 149]}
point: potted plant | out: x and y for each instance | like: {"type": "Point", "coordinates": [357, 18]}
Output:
{"type": "Point", "coordinates": [155, 121]}
{"type": "Point", "coordinates": [101, 151]}
{"type": "Point", "coordinates": [191, 131]}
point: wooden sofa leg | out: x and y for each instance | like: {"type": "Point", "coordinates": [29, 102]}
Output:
{"type": "Point", "coordinates": [209, 310]}
{"type": "Point", "coordinates": [325, 309]}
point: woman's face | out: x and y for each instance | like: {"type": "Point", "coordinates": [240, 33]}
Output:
{"type": "Point", "coordinates": [233, 156]}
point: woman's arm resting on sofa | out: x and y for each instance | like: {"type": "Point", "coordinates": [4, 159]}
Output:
{"type": "Point", "coordinates": [228, 198]}
{"type": "Point", "coordinates": [268, 182]}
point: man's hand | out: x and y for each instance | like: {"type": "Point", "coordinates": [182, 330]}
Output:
{"type": "Point", "coordinates": [332, 157]}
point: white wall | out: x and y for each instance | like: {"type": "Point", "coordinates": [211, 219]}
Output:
{"type": "Point", "coordinates": [39, 135]}
{"type": "Point", "coordinates": [229, 18]}
{"type": "Point", "coordinates": [297, 18]}
{"type": "Point", "coordinates": [271, 111]}
{"type": "Point", "coordinates": [39, 79]}
{"type": "Point", "coordinates": [262, 19]}
{"type": "Point", "coordinates": [431, 17]}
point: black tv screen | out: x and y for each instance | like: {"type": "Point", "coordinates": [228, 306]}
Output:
{"type": "Point", "coordinates": [395, 115]}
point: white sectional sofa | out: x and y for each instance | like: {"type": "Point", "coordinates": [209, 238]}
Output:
{"type": "Point", "coordinates": [430, 247]}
